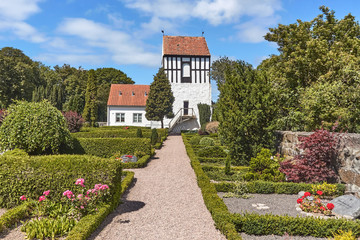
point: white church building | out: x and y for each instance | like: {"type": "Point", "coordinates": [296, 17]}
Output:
{"type": "Point", "coordinates": [186, 61]}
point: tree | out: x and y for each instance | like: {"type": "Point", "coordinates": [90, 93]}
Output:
{"type": "Point", "coordinates": [90, 110]}
{"type": "Point", "coordinates": [219, 67]}
{"type": "Point", "coordinates": [19, 76]}
{"type": "Point", "coordinates": [323, 52]}
{"type": "Point", "coordinates": [204, 113]}
{"type": "Point", "coordinates": [246, 108]}
{"type": "Point", "coordinates": [160, 99]}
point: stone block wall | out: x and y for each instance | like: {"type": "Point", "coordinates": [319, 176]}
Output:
{"type": "Point", "coordinates": [348, 158]}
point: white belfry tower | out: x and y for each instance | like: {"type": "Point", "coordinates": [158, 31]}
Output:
{"type": "Point", "coordinates": [186, 61]}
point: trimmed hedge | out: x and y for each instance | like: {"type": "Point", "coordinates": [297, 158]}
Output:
{"type": "Point", "coordinates": [14, 215]}
{"type": "Point", "coordinates": [211, 160]}
{"type": "Point", "coordinates": [142, 162]}
{"type": "Point", "coordinates": [117, 133]}
{"type": "Point", "coordinates": [31, 176]}
{"type": "Point", "coordinates": [88, 224]}
{"type": "Point", "coordinates": [256, 224]}
{"type": "Point", "coordinates": [107, 147]}
{"type": "Point", "coordinates": [215, 205]}
{"type": "Point", "coordinates": [265, 187]}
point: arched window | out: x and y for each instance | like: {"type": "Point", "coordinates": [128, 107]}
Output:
{"type": "Point", "coordinates": [186, 70]}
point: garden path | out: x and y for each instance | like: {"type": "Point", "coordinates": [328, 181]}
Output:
{"type": "Point", "coordinates": [165, 202]}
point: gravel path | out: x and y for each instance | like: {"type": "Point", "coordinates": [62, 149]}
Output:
{"type": "Point", "coordinates": [164, 203]}
{"type": "Point", "coordinates": [279, 204]}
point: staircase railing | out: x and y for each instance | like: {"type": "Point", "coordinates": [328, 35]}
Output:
{"type": "Point", "coordinates": [180, 116]}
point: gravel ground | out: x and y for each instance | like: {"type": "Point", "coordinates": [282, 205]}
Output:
{"type": "Point", "coordinates": [279, 204]}
{"type": "Point", "coordinates": [164, 203]}
{"type": "Point", "coordinates": [13, 234]}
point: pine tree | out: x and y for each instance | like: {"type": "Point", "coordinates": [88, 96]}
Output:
{"type": "Point", "coordinates": [160, 100]}
{"type": "Point", "coordinates": [90, 110]}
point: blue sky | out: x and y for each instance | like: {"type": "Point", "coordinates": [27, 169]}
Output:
{"type": "Point", "coordinates": [126, 34]}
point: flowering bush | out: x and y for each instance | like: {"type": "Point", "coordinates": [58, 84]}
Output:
{"type": "Point", "coordinates": [314, 205]}
{"type": "Point", "coordinates": [317, 161]}
{"type": "Point", "coordinates": [74, 121]}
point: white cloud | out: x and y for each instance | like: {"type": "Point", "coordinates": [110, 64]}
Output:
{"type": "Point", "coordinates": [13, 15]}
{"type": "Point", "coordinates": [120, 46]}
{"type": "Point", "coordinates": [259, 14]}
{"type": "Point", "coordinates": [72, 59]}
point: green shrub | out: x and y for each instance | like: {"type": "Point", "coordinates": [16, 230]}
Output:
{"type": "Point", "coordinates": [139, 133]}
{"type": "Point", "coordinates": [274, 187]}
{"type": "Point", "coordinates": [195, 140]}
{"type": "Point", "coordinates": [214, 151]}
{"type": "Point", "coordinates": [213, 202]}
{"type": "Point", "coordinates": [110, 132]}
{"type": "Point", "coordinates": [212, 160]}
{"type": "Point", "coordinates": [88, 224]}
{"type": "Point", "coordinates": [207, 141]}
{"type": "Point", "coordinates": [16, 152]}
{"type": "Point", "coordinates": [107, 147]}
{"type": "Point", "coordinates": [14, 215]}
{"type": "Point", "coordinates": [31, 176]}
{"type": "Point", "coordinates": [265, 167]}
{"type": "Point", "coordinates": [227, 165]}
{"type": "Point", "coordinates": [342, 235]}
{"type": "Point", "coordinates": [154, 136]}
{"type": "Point", "coordinates": [36, 127]}
{"type": "Point", "coordinates": [255, 224]}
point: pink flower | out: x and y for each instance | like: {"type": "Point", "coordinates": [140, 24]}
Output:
{"type": "Point", "coordinates": [79, 196]}
{"type": "Point", "coordinates": [97, 186]}
{"type": "Point", "coordinates": [330, 206]}
{"type": "Point", "coordinates": [23, 198]}
{"type": "Point", "coordinates": [82, 207]}
{"type": "Point", "coordinates": [68, 194]}
{"type": "Point", "coordinates": [319, 192]}
{"type": "Point", "coordinates": [103, 187]}
{"type": "Point", "coordinates": [88, 191]}
{"type": "Point", "coordinates": [307, 194]}
{"type": "Point", "coordinates": [42, 198]}
{"type": "Point", "coordinates": [80, 182]}
{"type": "Point", "coordinates": [46, 193]}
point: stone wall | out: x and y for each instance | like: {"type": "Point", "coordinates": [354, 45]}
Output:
{"type": "Point", "coordinates": [349, 155]}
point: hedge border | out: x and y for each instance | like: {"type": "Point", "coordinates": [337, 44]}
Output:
{"type": "Point", "coordinates": [267, 187]}
{"type": "Point", "coordinates": [215, 205]}
{"type": "Point", "coordinates": [142, 162]}
{"type": "Point", "coordinates": [88, 224]}
{"type": "Point", "coordinates": [14, 215]}
{"type": "Point", "coordinates": [256, 224]}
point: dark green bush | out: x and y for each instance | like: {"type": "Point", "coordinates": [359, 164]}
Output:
{"type": "Point", "coordinates": [255, 224]}
{"type": "Point", "coordinates": [88, 224]}
{"type": "Point", "coordinates": [31, 176]}
{"type": "Point", "coordinates": [207, 141]}
{"type": "Point", "coordinates": [110, 132]}
{"type": "Point", "coordinates": [214, 151]}
{"type": "Point", "coordinates": [36, 127]}
{"type": "Point", "coordinates": [107, 147]}
{"type": "Point", "coordinates": [139, 133]}
{"type": "Point", "coordinates": [211, 160]}
{"type": "Point", "coordinates": [154, 136]}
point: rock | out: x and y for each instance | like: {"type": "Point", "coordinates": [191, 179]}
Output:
{"type": "Point", "coordinates": [301, 193]}
{"type": "Point", "coordinates": [129, 158]}
{"type": "Point", "coordinates": [347, 206]}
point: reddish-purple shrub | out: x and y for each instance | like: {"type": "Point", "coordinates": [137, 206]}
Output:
{"type": "Point", "coordinates": [2, 115]}
{"type": "Point", "coordinates": [74, 121]}
{"type": "Point", "coordinates": [317, 163]}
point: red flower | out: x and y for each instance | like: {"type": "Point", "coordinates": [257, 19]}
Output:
{"type": "Point", "coordinates": [307, 194]}
{"type": "Point", "coordinates": [299, 200]}
{"type": "Point", "coordinates": [319, 192]}
{"type": "Point", "coordinates": [322, 208]}
{"type": "Point", "coordinates": [129, 156]}
{"type": "Point", "coordinates": [330, 206]}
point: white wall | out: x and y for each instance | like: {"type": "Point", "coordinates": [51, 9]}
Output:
{"type": "Point", "coordinates": [112, 110]}
{"type": "Point", "coordinates": [195, 93]}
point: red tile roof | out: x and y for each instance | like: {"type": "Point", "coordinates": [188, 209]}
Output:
{"type": "Point", "coordinates": [177, 45]}
{"type": "Point", "coordinates": [127, 98]}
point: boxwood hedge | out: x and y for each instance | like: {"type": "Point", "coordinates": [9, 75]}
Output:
{"type": "Point", "coordinates": [31, 176]}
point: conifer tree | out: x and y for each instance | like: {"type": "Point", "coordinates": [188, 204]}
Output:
{"type": "Point", "coordinates": [160, 99]}
{"type": "Point", "coordinates": [90, 110]}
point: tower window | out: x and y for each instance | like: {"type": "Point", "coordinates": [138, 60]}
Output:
{"type": "Point", "coordinates": [133, 93]}
{"type": "Point", "coordinates": [185, 73]}
{"type": "Point", "coordinates": [120, 93]}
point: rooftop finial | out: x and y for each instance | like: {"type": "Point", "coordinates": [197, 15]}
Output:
{"type": "Point", "coordinates": [162, 30]}
{"type": "Point", "coordinates": [202, 34]}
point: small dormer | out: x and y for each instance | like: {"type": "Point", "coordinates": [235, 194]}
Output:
{"type": "Point", "coordinates": [186, 59]}
{"type": "Point", "coordinates": [120, 93]}
{"type": "Point", "coordinates": [133, 93]}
